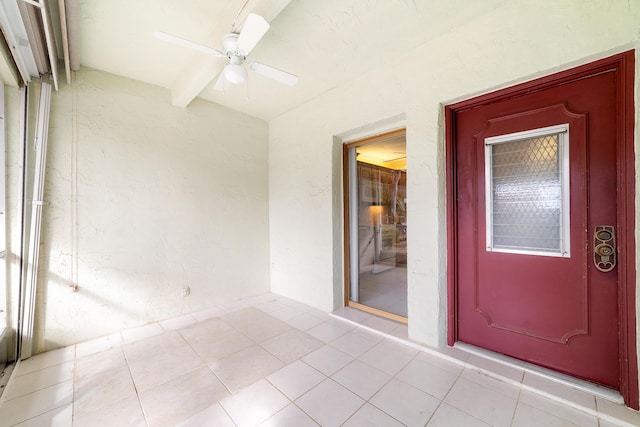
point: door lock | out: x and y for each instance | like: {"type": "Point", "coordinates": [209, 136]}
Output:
{"type": "Point", "coordinates": [604, 248]}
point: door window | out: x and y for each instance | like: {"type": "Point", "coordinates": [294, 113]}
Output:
{"type": "Point", "coordinates": [527, 177]}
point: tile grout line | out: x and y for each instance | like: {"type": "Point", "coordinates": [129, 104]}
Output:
{"type": "Point", "coordinates": [400, 340]}
{"type": "Point", "coordinates": [392, 377]}
{"type": "Point", "coordinates": [595, 413]}
{"type": "Point", "coordinates": [365, 401]}
{"type": "Point", "coordinates": [293, 401]}
{"type": "Point", "coordinates": [515, 409]}
{"type": "Point", "coordinates": [447, 394]}
{"type": "Point", "coordinates": [395, 376]}
{"type": "Point", "coordinates": [178, 331]}
{"type": "Point", "coordinates": [48, 410]}
{"type": "Point", "coordinates": [135, 387]}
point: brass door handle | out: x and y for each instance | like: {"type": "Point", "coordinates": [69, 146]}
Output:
{"type": "Point", "coordinates": [604, 248]}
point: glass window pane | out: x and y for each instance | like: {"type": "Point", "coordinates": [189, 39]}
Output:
{"type": "Point", "coordinates": [525, 207]}
{"type": "Point", "coordinates": [378, 225]}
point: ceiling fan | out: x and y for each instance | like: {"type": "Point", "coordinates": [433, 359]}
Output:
{"type": "Point", "coordinates": [236, 47]}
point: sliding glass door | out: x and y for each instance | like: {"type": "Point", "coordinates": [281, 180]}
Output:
{"type": "Point", "coordinates": [376, 183]}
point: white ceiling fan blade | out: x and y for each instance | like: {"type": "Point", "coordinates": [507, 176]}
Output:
{"type": "Point", "coordinates": [188, 44]}
{"type": "Point", "coordinates": [254, 28]}
{"type": "Point", "coordinates": [273, 73]}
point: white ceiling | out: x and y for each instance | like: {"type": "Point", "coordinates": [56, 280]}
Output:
{"type": "Point", "coordinates": [325, 42]}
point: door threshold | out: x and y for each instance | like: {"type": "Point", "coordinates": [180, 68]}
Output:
{"type": "Point", "coordinates": [558, 377]}
{"type": "Point", "coordinates": [378, 312]}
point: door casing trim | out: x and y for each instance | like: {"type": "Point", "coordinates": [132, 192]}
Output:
{"type": "Point", "coordinates": [624, 65]}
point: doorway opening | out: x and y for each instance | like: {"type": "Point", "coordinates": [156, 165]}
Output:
{"type": "Point", "coordinates": [375, 177]}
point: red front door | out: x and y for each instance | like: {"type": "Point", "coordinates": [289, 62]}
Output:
{"type": "Point", "coordinates": [535, 175]}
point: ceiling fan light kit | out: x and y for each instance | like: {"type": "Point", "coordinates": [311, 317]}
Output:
{"type": "Point", "coordinates": [236, 47]}
{"type": "Point", "coordinates": [235, 74]}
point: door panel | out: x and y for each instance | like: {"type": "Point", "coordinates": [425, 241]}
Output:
{"type": "Point", "coordinates": [554, 286]}
{"type": "Point", "coordinates": [557, 311]}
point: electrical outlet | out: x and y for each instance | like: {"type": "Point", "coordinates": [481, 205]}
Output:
{"type": "Point", "coordinates": [186, 291]}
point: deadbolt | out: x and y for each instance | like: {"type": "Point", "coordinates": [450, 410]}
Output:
{"type": "Point", "coordinates": [604, 235]}
{"type": "Point", "coordinates": [604, 248]}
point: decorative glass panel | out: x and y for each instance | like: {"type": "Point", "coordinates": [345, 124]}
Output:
{"type": "Point", "coordinates": [526, 208]}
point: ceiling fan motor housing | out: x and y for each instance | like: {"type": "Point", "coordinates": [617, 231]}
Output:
{"type": "Point", "coordinates": [230, 46]}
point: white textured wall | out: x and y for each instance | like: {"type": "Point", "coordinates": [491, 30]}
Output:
{"type": "Point", "coordinates": [145, 198]}
{"type": "Point", "coordinates": [513, 43]}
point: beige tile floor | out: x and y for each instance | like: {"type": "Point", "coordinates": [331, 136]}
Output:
{"type": "Point", "coordinates": [270, 361]}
